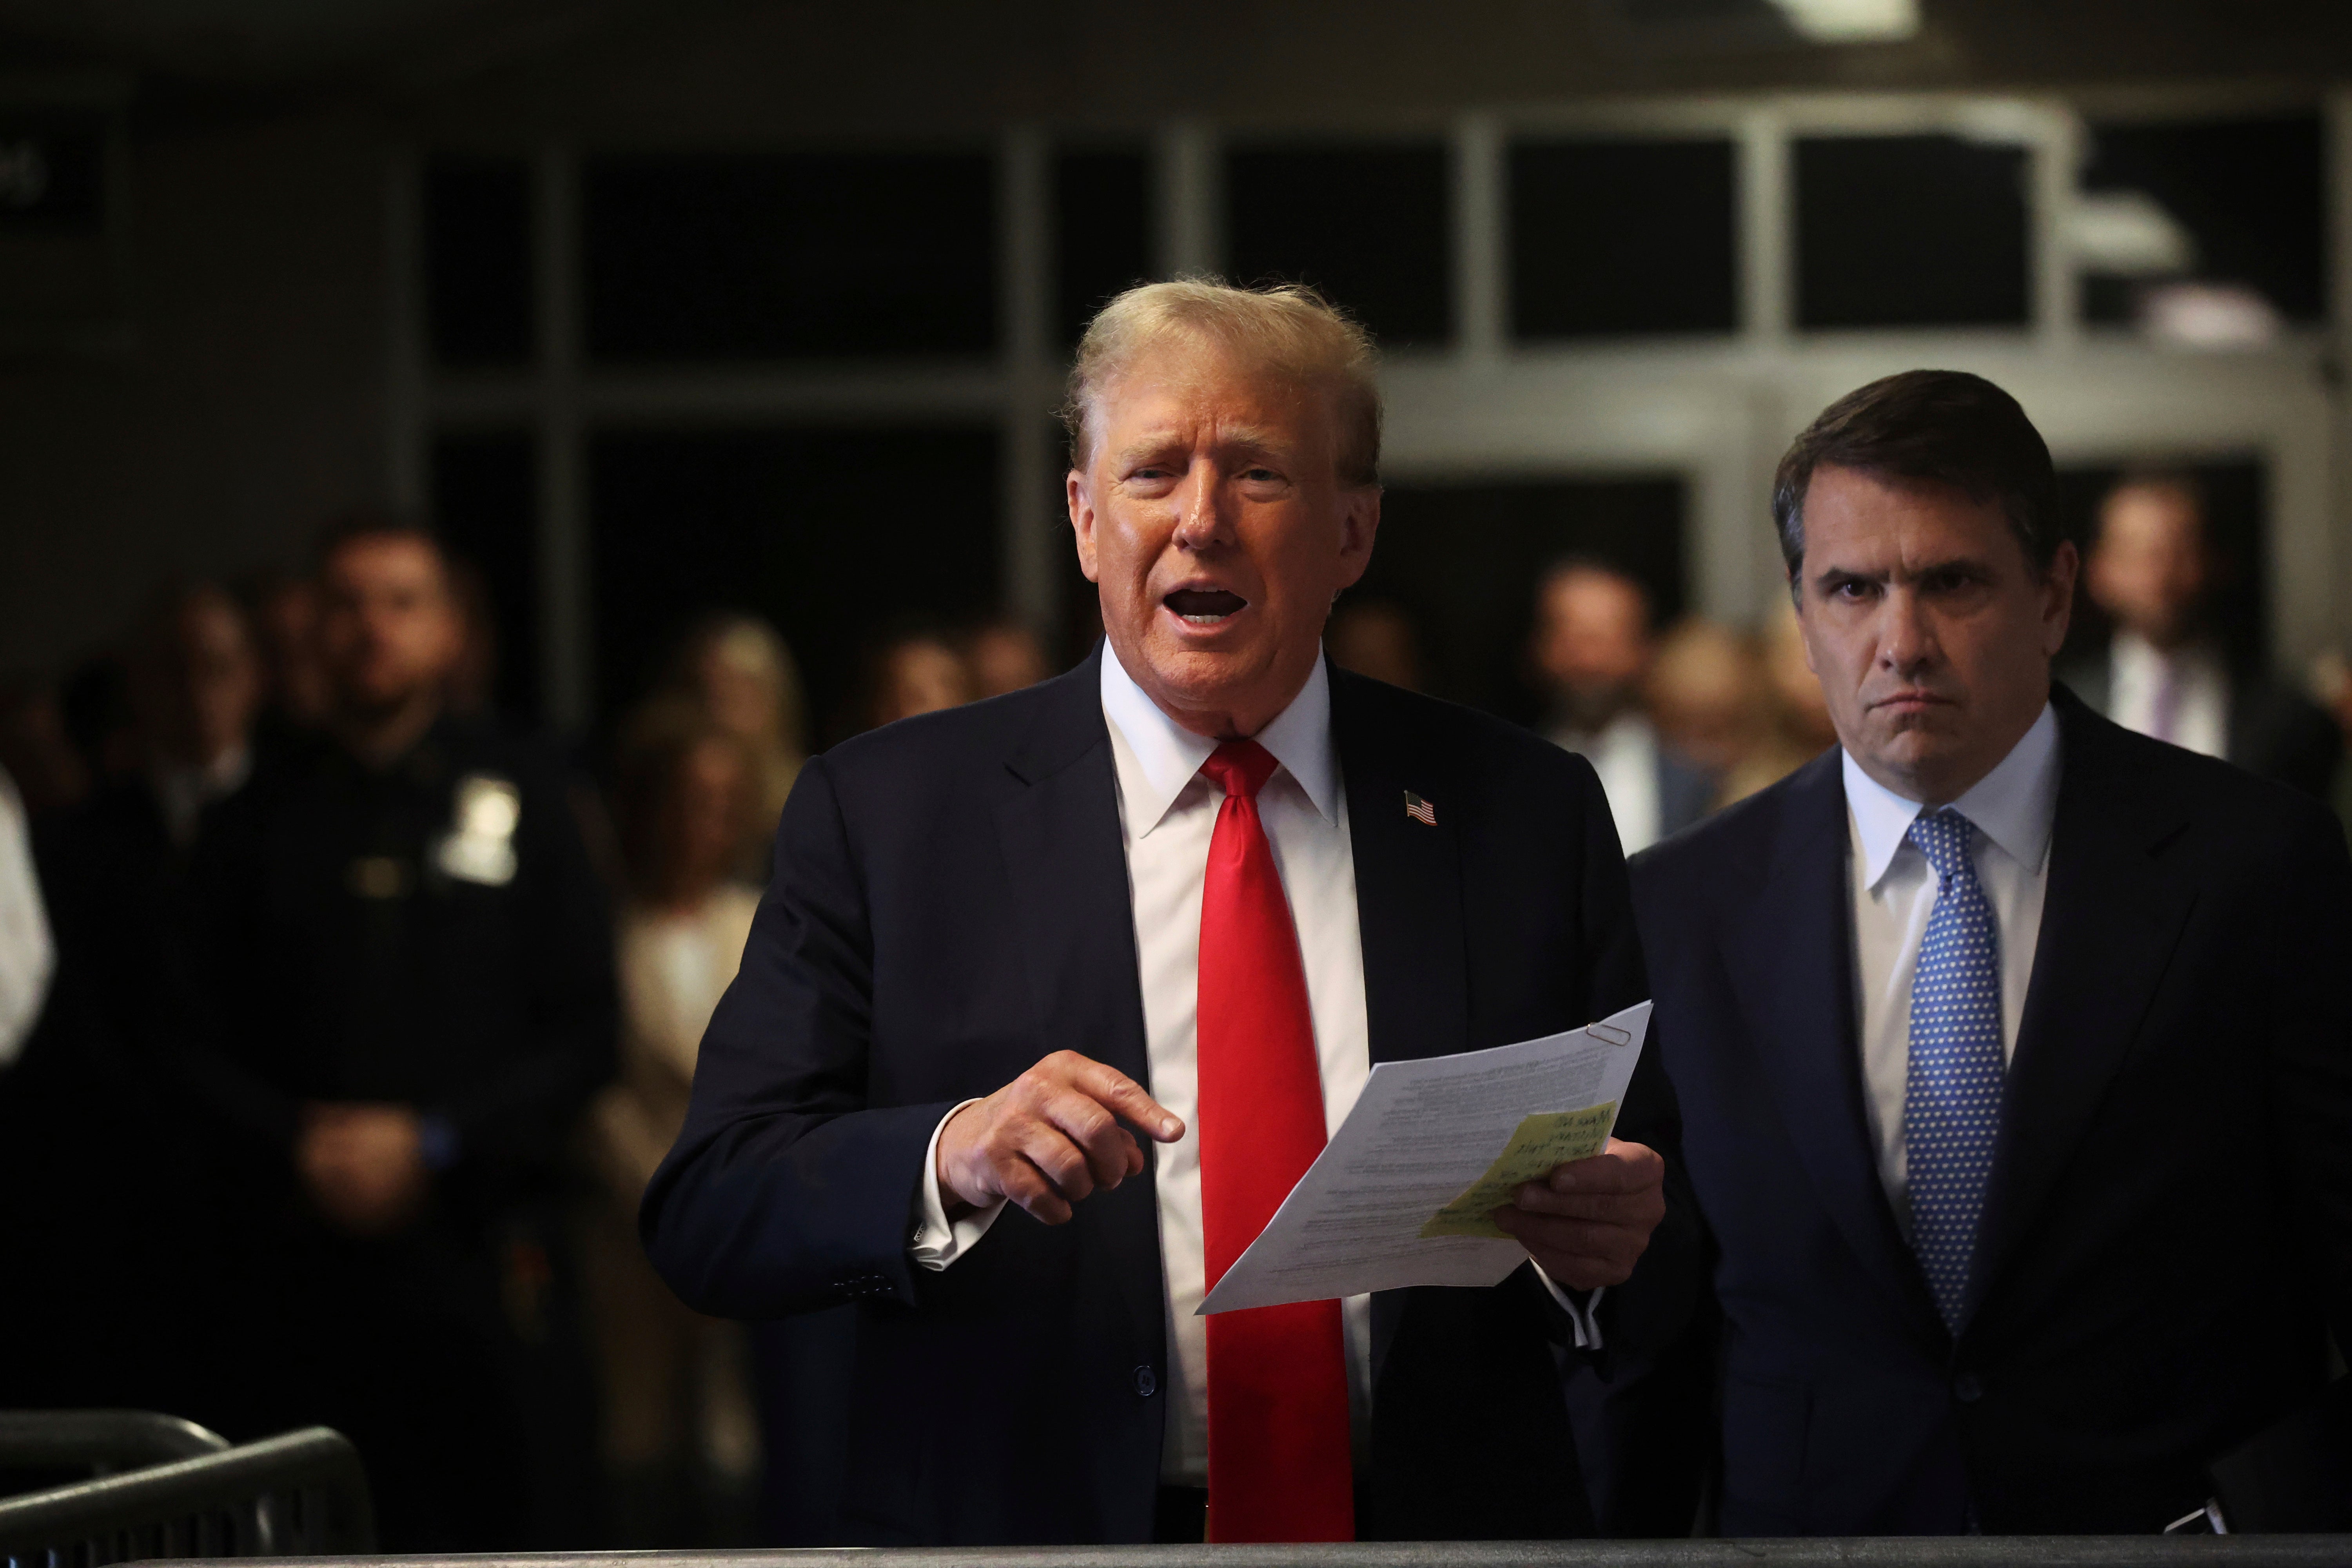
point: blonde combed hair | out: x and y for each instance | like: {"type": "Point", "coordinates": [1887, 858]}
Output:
{"type": "Point", "coordinates": [1288, 329]}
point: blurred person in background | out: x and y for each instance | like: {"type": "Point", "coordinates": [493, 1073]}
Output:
{"type": "Point", "coordinates": [114, 865]}
{"type": "Point", "coordinates": [1002, 655]}
{"type": "Point", "coordinates": [739, 672]}
{"type": "Point", "coordinates": [1593, 648]}
{"type": "Point", "coordinates": [28, 964]}
{"type": "Point", "coordinates": [2163, 673]}
{"type": "Point", "coordinates": [681, 1445]}
{"type": "Point", "coordinates": [36, 751]}
{"type": "Point", "coordinates": [28, 957]}
{"type": "Point", "coordinates": [284, 613]}
{"type": "Point", "coordinates": [195, 687]}
{"type": "Point", "coordinates": [1376, 637]}
{"type": "Point", "coordinates": [913, 669]}
{"type": "Point", "coordinates": [1712, 702]}
{"type": "Point", "coordinates": [94, 700]}
{"type": "Point", "coordinates": [403, 966]}
{"type": "Point", "coordinates": [119, 1211]}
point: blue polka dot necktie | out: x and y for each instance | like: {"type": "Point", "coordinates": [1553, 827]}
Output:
{"type": "Point", "coordinates": [1951, 1102]}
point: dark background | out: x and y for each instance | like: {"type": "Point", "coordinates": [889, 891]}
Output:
{"type": "Point", "coordinates": [814, 190]}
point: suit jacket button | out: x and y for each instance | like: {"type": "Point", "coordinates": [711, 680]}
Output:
{"type": "Point", "coordinates": [1968, 1388]}
{"type": "Point", "coordinates": [1147, 1382]}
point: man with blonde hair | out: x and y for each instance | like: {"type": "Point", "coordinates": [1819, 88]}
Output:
{"type": "Point", "coordinates": [1054, 997]}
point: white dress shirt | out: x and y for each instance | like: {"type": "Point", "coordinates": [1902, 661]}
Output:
{"type": "Point", "coordinates": [1626, 755]}
{"type": "Point", "coordinates": [27, 956]}
{"type": "Point", "coordinates": [1167, 814]}
{"type": "Point", "coordinates": [2013, 807]}
{"type": "Point", "coordinates": [2200, 695]}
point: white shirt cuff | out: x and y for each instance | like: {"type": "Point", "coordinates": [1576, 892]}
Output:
{"type": "Point", "coordinates": [1587, 1318]}
{"type": "Point", "coordinates": [939, 1242]}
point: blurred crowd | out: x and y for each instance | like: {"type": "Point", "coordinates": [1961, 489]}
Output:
{"type": "Point", "coordinates": [347, 1023]}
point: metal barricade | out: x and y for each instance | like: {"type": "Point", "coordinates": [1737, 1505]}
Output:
{"type": "Point", "coordinates": [99, 1441]}
{"type": "Point", "coordinates": [303, 1493]}
{"type": "Point", "coordinates": [1876, 1552]}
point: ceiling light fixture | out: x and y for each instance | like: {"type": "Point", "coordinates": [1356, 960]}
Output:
{"type": "Point", "coordinates": [1852, 21]}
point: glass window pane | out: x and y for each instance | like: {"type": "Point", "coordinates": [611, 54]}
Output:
{"type": "Point", "coordinates": [793, 255]}
{"type": "Point", "coordinates": [2234, 204]}
{"type": "Point", "coordinates": [1617, 237]}
{"type": "Point", "coordinates": [1462, 561]}
{"type": "Point", "coordinates": [795, 525]}
{"type": "Point", "coordinates": [477, 261]}
{"type": "Point", "coordinates": [485, 507]}
{"type": "Point", "coordinates": [1102, 232]}
{"type": "Point", "coordinates": [1368, 226]}
{"type": "Point", "coordinates": [1911, 231]}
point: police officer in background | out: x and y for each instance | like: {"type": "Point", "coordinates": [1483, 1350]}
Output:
{"type": "Point", "coordinates": [403, 961]}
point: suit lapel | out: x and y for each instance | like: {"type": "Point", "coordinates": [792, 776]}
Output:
{"type": "Point", "coordinates": [1408, 910]}
{"type": "Point", "coordinates": [1790, 952]}
{"type": "Point", "coordinates": [1408, 884]}
{"type": "Point", "coordinates": [1067, 861]}
{"type": "Point", "coordinates": [2110, 919]}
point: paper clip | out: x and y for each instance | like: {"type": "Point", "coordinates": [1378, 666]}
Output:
{"type": "Point", "coordinates": [1611, 1033]}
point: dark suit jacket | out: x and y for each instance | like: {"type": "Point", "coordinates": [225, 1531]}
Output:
{"type": "Point", "coordinates": [2273, 729]}
{"type": "Point", "coordinates": [489, 1004]}
{"type": "Point", "coordinates": [2170, 1224]}
{"type": "Point", "coordinates": [951, 905]}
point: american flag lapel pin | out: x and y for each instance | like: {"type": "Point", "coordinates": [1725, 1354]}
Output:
{"type": "Point", "coordinates": [1419, 810]}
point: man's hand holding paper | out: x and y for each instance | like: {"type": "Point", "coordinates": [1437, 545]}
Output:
{"type": "Point", "coordinates": [1582, 1203]}
{"type": "Point", "coordinates": [1455, 1170]}
{"type": "Point", "coordinates": [1591, 1220]}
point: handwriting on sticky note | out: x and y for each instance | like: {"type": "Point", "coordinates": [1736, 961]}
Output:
{"type": "Point", "coordinates": [1542, 1140]}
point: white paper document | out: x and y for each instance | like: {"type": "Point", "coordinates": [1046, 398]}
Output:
{"type": "Point", "coordinates": [1399, 1196]}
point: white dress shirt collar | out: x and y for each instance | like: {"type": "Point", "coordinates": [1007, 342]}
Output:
{"type": "Point", "coordinates": [2014, 805]}
{"type": "Point", "coordinates": [1170, 756]}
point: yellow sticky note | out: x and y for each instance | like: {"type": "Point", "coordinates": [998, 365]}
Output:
{"type": "Point", "coordinates": [1542, 1140]}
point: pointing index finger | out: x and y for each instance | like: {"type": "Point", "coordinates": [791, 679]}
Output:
{"type": "Point", "coordinates": [1125, 1096]}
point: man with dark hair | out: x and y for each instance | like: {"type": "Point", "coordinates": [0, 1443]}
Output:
{"type": "Point", "coordinates": [2012, 1048]}
{"type": "Point", "coordinates": [405, 971]}
{"type": "Point", "coordinates": [2163, 673]}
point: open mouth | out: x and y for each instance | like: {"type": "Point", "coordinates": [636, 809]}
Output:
{"type": "Point", "coordinates": [1205, 606]}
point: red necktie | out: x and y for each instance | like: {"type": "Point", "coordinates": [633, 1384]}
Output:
{"type": "Point", "coordinates": [1279, 1465]}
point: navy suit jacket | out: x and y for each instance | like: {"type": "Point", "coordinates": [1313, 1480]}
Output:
{"type": "Point", "coordinates": [2169, 1222]}
{"type": "Point", "coordinates": [950, 904]}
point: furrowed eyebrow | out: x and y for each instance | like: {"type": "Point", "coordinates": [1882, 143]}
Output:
{"type": "Point", "coordinates": [1243, 443]}
{"type": "Point", "coordinates": [1143, 451]}
{"type": "Point", "coordinates": [1960, 565]}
